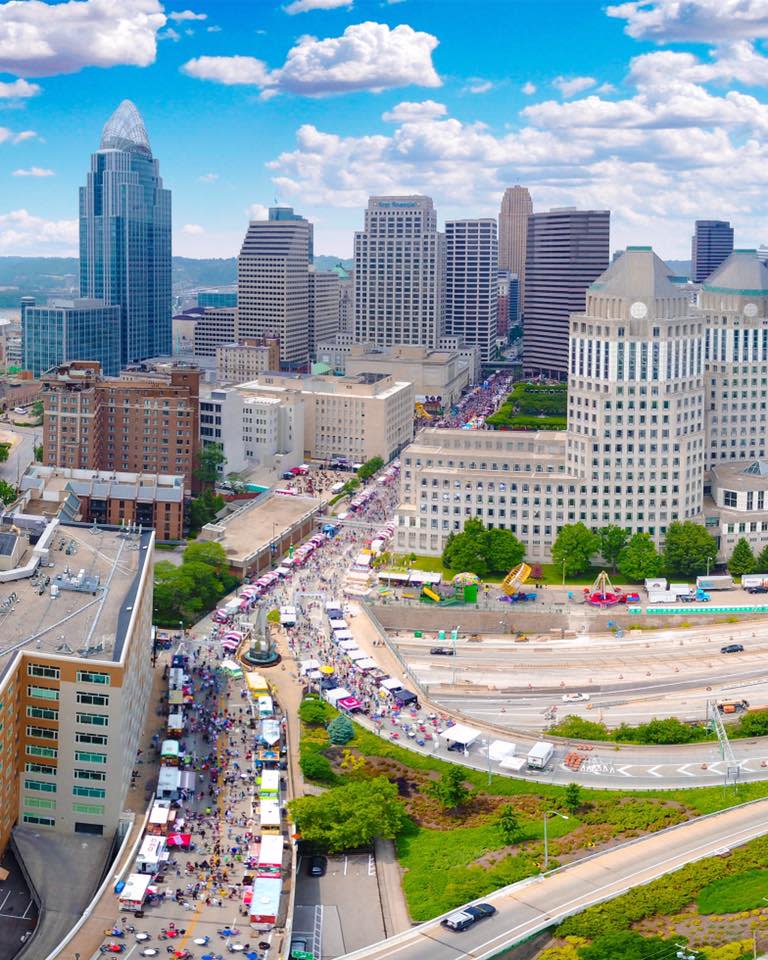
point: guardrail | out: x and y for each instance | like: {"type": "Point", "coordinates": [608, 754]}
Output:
{"type": "Point", "coordinates": [687, 610]}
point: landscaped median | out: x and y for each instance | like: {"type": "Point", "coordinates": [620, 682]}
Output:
{"type": "Point", "coordinates": [463, 835]}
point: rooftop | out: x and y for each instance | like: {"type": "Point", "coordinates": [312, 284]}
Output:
{"type": "Point", "coordinates": [742, 273]}
{"type": "Point", "coordinates": [125, 130]}
{"type": "Point", "coordinates": [48, 486]}
{"type": "Point", "coordinates": [76, 623]}
{"type": "Point", "coordinates": [638, 274]}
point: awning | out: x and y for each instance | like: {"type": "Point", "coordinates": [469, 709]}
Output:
{"type": "Point", "coordinates": [337, 624]}
{"type": "Point", "coordinates": [270, 731]}
{"type": "Point", "coordinates": [367, 664]}
{"type": "Point", "coordinates": [179, 839]}
{"type": "Point", "coordinates": [348, 645]}
{"type": "Point", "coordinates": [314, 675]}
{"type": "Point", "coordinates": [460, 734]}
{"type": "Point", "coordinates": [307, 666]}
{"type": "Point", "coordinates": [342, 635]}
{"type": "Point", "coordinates": [513, 763]}
{"type": "Point", "coordinates": [355, 655]}
{"type": "Point", "coordinates": [499, 749]}
{"type": "Point", "coordinates": [424, 576]}
{"type": "Point", "coordinates": [349, 703]}
{"type": "Point", "coordinates": [391, 684]}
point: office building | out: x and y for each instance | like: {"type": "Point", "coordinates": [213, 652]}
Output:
{"type": "Point", "coordinates": [711, 244]}
{"type": "Point", "coordinates": [144, 421]}
{"type": "Point", "coordinates": [323, 308]}
{"type": "Point", "coordinates": [734, 304]}
{"type": "Point", "coordinates": [566, 251]}
{"type": "Point", "coordinates": [516, 207]}
{"type": "Point", "coordinates": [397, 273]}
{"type": "Point", "coordinates": [273, 283]}
{"type": "Point", "coordinates": [70, 330]}
{"type": "Point", "coordinates": [438, 376]}
{"type": "Point", "coordinates": [508, 303]}
{"type": "Point", "coordinates": [74, 695]}
{"type": "Point", "coordinates": [125, 236]}
{"type": "Point", "coordinates": [471, 283]}
{"type": "Point", "coordinates": [237, 362]}
{"type": "Point", "coordinates": [217, 298]}
{"type": "Point", "coordinates": [149, 500]}
{"type": "Point", "coordinates": [214, 328]}
{"type": "Point", "coordinates": [346, 299]}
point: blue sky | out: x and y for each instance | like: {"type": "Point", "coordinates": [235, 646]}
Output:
{"type": "Point", "coordinates": [655, 109]}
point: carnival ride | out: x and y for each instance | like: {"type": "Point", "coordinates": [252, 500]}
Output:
{"type": "Point", "coordinates": [602, 593]}
{"type": "Point", "coordinates": [515, 579]}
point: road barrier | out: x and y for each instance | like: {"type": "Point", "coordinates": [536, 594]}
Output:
{"type": "Point", "coordinates": [685, 610]}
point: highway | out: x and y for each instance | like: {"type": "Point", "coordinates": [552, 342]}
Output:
{"type": "Point", "coordinates": [533, 905]}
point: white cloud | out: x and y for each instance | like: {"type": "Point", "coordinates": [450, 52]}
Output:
{"type": "Point", "coordinates": [18, 90]}
{"type": "Point", "coordinates": [33, 172]}
{"type": "Point", "coordinates": [606, 88]}
{"type": "Point", "coordinates": [179, 16]}
{"type": "Point", "coordinates": [704, 21]}
{"type": "Point", "coordinates": [214, 29]}
{"type": "Point", "coordinates": [208, 178]}
{"type": "Point", "coordinates": [367, 56]}
{"type": "Point", "coordinates": [528, 88]}
{"type": "Point", "coordinates": [303, 6]}
{"type": "Point", "coordinates": [229, 70]}
{"type": "Point", "coordinates": [570, 86]}
{"type": "Point", "coordinates": [23, 135]}
{"type": "Point", "coordinates": [169, 34]}
{"type": "Point", "coordinates": [477, 85]}
{"type": "Point", "coordinates": [192, 230]}
{"type": "Point", "coordinates": [732, 62]}
{"type": "Point", "coordinates": [408, 111]}
{"type": "Point", "coordinates": [257, 211]}
{"type": "Point", "coordinates": [21, 231]}
{"type": "Point", "coordinates": [41, 39]}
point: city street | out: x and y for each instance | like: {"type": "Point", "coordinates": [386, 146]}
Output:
{"type": "Point", "coordinates": [22, 452]}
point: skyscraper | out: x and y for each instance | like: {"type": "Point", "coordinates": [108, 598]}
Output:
{"type": "Point", "coordinates": [566, 251]}
{"type": "Point", "coordinates": [516, 207]}
{"type": "Point", "coordinates": [273, 283]}
{"type": "Point", "coordinates": [397, 273]}
{"type": "Point", "coordinates": [125, 236]}
{"type": "Point", "coordinates": [471, 283]}
{"type": "Point", "coordinates": [323, 308]}
{"type": "Point", "coordinates": [711, 245]}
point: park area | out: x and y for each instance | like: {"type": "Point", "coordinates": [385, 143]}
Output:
{"type": "Point", "coordinates": [533, 406]}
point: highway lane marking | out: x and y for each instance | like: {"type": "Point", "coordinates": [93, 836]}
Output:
{"type": "Point", "coordinates": [685, 771]}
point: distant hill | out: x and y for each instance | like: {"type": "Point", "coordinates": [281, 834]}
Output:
{"type": "Point", "coordinates": [44, 277]}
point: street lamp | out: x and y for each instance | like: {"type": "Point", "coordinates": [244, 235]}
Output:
{"type": "Point", "coordinates": [487, 745]}
{"type": "Point", "coordinates": [709, 560]}
{"type": "Point", "coordinates": [550, 813]}
{"type": "Point", "coordinates": [564, 562]}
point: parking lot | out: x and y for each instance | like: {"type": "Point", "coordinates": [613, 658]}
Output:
{"type": "Point", "coordinates": [18, 914]}
{"type": "Point", "coordinates": [341, 911]}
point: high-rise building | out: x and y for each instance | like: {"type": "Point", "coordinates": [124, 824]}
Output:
{"type": "Point", "coordinates": [471, 283]}
{"type": "Point", "coordinates": [323, 307]}
{"type": "Point", "coordinates": [273, 283]}
{"type": "Point", "coordinates": [145, 421]}
{"type": "Point", "coordinates": [397, 273]}
{"type": "Point", "coordinates": [509, 303]}
{"type": "Point", "coordinates": [566, 251]}
{"type": "Point", "coordinates": [711, 244]}
{"type": "Point", "coordinates": [125, 236]}
{"type": "Point", "coordinates": [516, 207]}
{"type": "Point", "coordinates": [238, 362]}
{"type": "Point", "coordinates": [70, 330]}
{"type": "Point", "coordinates": [217, 298]}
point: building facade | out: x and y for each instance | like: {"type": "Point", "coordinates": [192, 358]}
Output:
{"type": "Point", "coordinates": [70, 330]}
{"type": "Point", "coordinates": [324, 307]}
{"type": "Point", "coordinates": [471, 283]}
{"type": "Point", "coordinates": [441, 374]}
{"type": "Point", "coordinates": [397, 273]}
{"type": "Point", "coordinates": [217, 298]}
{"type": "Point", "coordinates": [238, 362]}
{"type": "Point", "coordinates": [711, 244]}
{"type": "Point", "coordinates": [273, 283]}
{"type": "Point", "coordinates": [125, 236]}
{"type": "Point", "coordinates": [566, 251]}
{"type": "Point", "coordinates": [145, 421]}
{"type": "Point", "coordinates": [516, 207]}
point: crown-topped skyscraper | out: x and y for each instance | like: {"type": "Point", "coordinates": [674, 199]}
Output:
{"type": "Point", "coordinates": [125, 236]}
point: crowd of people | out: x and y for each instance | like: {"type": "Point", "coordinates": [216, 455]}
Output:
{"type": "Point", "coordinates": [479, 403]}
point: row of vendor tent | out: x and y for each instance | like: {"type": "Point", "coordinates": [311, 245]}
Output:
{"type": "Point", "coordinates": [269, 784]}
{"type": "Point", "coordinates": [173, 781]}
{"type": "Point", "coordinates": [416, 577]}
{"type": "Point", "coordinates": [497, 751]}
{"type": "Point", "coordinates": [343, 699]}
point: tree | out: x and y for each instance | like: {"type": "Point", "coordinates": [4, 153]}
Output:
{"type": "Point", "coordinates": [508, 823]}
{"type": "Point", "coordinates": [210, 460]}
{"type": "Point", "coordinates": [5, 449]}
{"type": "Point", "coordinates": [207, 552]}
{"type": "Point", "coordinates": [204, 509]}
{"type": "Point", "coordinates": [8, 492]}
{"type": "Point", "coordinates": [742, 559]}
{"type": "Point", "coordinates": [316, 767]}
{"type": "Point", "coordinates": [340, 731]}
{"type": "Point", "coordinates": [640, 559]}
{"type": "Point", "coordinates": [313, 712]}
{"type": "Point", "coordinates": [612, 540]}
{"type": "Point", "coordinates": [370, 467]}
{"type": "Point", "coordinates": [573, 548]}
{"type": "Point", "coordinates": [38, 452]}
{"type": "Point", "coordinates": [482, 551]}
{"type": "Point", "coordinates": [353, 815]}
{"type": "Point", "coordinates": [503, 550]}
{"type": "Point", "coordinates": [450, 789]}
{"type": "Point", "coordinates": [572, 797]}
{"type": "Point", "coordinates": [687, 549]}
{"type": "Point", "coordinates": [761, 564]}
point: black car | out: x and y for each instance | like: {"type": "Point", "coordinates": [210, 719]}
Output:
{"type": "Point", "coordinates": [481, 910]}
{"type": "Point", "coordinates": [468, 915]}
{"type": "Point", "coordinates": [317, 866]}
{"type": "Point", "coordinates": [757, 589]}
{"type": "Point", "coordinates": [441, 652]}
{"type": "Point", "coordinates": [733, 648]}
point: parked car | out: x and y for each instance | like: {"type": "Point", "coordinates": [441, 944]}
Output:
{"type": "Point", "coordinates": [469, 915]}
{"type": "Point", "coordinates": [757, 589]}
{"type": "Point", "coordinates": [317, 866]}
{"type": "Point", "coordinates": [733, 648]}
{"type": "Point", "coordinates": [441, 652]}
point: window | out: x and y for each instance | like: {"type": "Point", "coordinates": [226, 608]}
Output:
{"type": "Point", "coordinates": [38, 821]}
{"type": "Point", "coordinates": [30, 767]}
{"type": "Point", "coordinates": [34, 751]}
{"type": "Point", "coordinates": [93, 809]}
{"type": "Point", "coordinates": [43, 693]}
{"type": "Point", "coordinates": [41, 785]}
{"type": "Point", "coordinates": [93, 699]}
{"type": "Point", "coordinates": [90, 676]}
{"type": "Point", "coordinates": [729, 498]}
{"type": "Point", "coordinates": [43, 733]}
{"type": "Point", "coordinates": [82, 756]}
{"type": "Point", "coordinates": [97, 739]}
{"type": "Point", "coordinates": [39, 803]}
{"type": "Point", "coordinates": [83, 774]}
{"type": "Point", "coordinates": [42, 713]}
{"type": "Point", "coordinates": [94, 719]}
{"type": "Point", "coordinates": [98, 793]}
{"type": "Point", "coordinates": [42, 670]}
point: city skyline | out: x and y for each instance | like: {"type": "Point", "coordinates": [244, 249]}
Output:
{"type": "Point", "coordinates": [644, 109]}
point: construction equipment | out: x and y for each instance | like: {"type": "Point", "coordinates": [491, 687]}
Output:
{"type": "Point", "coordinates": [515, 579]}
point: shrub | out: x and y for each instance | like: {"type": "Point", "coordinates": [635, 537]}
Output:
{"type": "Point", "coordinates": [314, 712]}
{"type": "Point", "coordinates": [341, 730]}
{"type": "Point", "coordinates": [316, 767]}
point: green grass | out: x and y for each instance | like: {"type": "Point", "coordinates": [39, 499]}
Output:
{"type": "Point", "coordinates": [435, 565]}
{"type": "Point", "coordinates": [745, 891]}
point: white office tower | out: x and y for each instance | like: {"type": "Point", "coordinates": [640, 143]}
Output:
{"type": "Point", "coordinates": [324, 313]}
{"type": "Point", "coordinates": [636, 398]}
{"type": "Point", "coordinates": [397, 285]}
{"type": "Point", "coordinates": [516, 207]}
{"type": "Point", "coordinates": [273, 283]}
{"type": "Point", "coordinates": [471, 284]}
{"type": "Point", "coordinates": [734, 306]}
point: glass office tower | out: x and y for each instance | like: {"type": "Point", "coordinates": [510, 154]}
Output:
{"type": "Point", "coordinates": [125, 236]}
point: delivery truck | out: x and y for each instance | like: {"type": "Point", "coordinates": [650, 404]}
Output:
{"type": "Point", "coordinates": [715, 583]}
{"type": "Point", "coordinates": [661, 596]}
{"type": "Point", "coordinates": [540, 755]}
